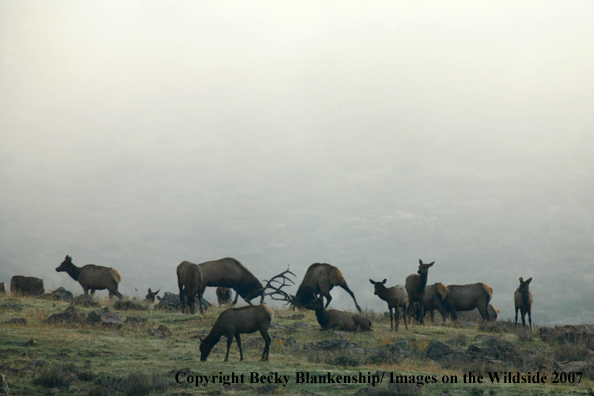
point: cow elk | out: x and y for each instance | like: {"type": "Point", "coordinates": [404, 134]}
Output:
{"type": "Point", "coordinates": [415, 287]}
{"type": "Point", "coordinates": [523, 301]}
{"type": "Point", "coordinates": [191, 285]}
{"type": "Point", "coordinates": [469, 297]}
{"type": "Point", "coordinates": [435, 299]}
{"type": "Point", "coordinates": [151, 295]}
{"type": "Point", "coordinates": [396, 297]}
{"type": "Point", "coordinates": [338, 320]}
{"type": "Point", "coordinates": [235, 321]}
{"type": "Point", "coordinates": [318, 281]}
{"type": "Point", "coordinates": [93, 277]}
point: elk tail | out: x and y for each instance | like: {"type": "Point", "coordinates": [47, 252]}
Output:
{"type": "Point", "coordinates": [488, 289]}
{"type": "Point", "coordinates": [116, 275]}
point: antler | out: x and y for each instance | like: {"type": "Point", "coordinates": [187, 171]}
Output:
{"type": "Point", "coordinates": [277, 290]}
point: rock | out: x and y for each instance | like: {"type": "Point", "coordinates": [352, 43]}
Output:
{"type": "Point", "coordinates": [70, 315]}
{"type": "Point", "coordinates": [107, 319]}
{"type": "Point", "coordinates": [59, 294]}
{"type": "Point", "coordinates": [572, 366]}
{"type": "Point", "coordinates": [437, 349]}
{"type": "Point", "coordinates": [253, 343]}
{"type": "Point", "coordinates": [13, 306]}
{"type": "Point", "coordinates": [2, 288]}
{"type": "Point", "coordinates": [330, 345]}
{"type": "Point", "coordinates": [161, 331]}
{"type": "Point", "coordinates": [275, 325]}
{"type": "Point", "coordinates": [26, 285]}
{"type": "Point", "coordinates": [170, 302]}
{"type": "Point", "coordinates": [123, 305]}
{"type": "Point", "coordinates": [136, 321]}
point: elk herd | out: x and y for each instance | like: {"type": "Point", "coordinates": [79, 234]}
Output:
{"type": "Point", "coordinates": [414, 299]}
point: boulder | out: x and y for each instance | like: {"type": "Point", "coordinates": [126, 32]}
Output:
{"type": "Point", "coordinates": [85, 300]}
{"type": "Point", "coordinates": [70, 315]}
{"type": "Point", "coordinates": [26, 285]}
{"type": "Point", "coordinates": [437, 349]}
{"type": "Point", "coordinates": [59, 294]}
{"type": "Point", "coordinates": [106, 319]}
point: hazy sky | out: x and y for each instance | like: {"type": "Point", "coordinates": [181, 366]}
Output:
{"type": "Point", "coordinates": [137, 134]}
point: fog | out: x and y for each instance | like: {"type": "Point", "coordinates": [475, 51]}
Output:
{"type": "Point", "coordinates": [138, 134]}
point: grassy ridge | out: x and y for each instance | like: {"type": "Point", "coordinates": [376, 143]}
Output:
{"type": "Point", "coordinates": [80, 359]}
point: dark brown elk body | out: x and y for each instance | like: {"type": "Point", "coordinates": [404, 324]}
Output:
{"type": "Point", "coordinates": [338, 320]}
{"type": "Point", "coordinates": [469, 297]}
{"type": "Point", "coordinates": [228, 272]}
{"type": "Point", "coordinates": [434, 299]}
{"type": "Point", "coordinates": [235, 321]}
{"type": "Point", "coordinates": [93, 277]}
{"type": "Point", "coordinates": [523, 301]}
{"type": "Point", "coordinates": [318, 281]}
{"type": "Point", "coordinates": [191, 285]}
{"type": "Point", "coordinates": [396, 297]}
{"type": "Point", "coordinates": [223, 295]}
{"type": "Point", "coordinates": [415, 287]}
{"type": "Point", "coordinates": [26, 285]}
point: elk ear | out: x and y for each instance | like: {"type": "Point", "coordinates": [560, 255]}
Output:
{"type": "Point", "coordinates": [430, 264]}
{"type": "Point", "coordinates": [149, 291]}
{"type": "Point", "coordinates": [372, 282]}
{"type": "Point", "coordinates": [521, 280]}
{"type": "Point", "coordinates": [384, 281]}
{"type": "Point", "coordinates": [528, 281]}
{"type": "Point", "coordinates": [420, 262]}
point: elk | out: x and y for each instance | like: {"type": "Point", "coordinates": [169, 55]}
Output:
{"type": "Point", "coordinates": [523, 301]}
{"type": "Point", "coordinates": [93, 277]}
{"type": "Point", "coordinates": [415, 287]}
{"type": "Point", "coordinates": [338, 320]}
{"type": "Point", "coordinates": [235, 321]}
{"type": "Point", "coordinates": [318, 281]}
{"type": "Point", "coordinates": [191, 284]}
{"type": "Point", "coordinates": [228, 272]}
{"type": "Point", "coordinates": [396, 297]}
{"type": "Point", "coordinates": [150, 297]}
{"type": "Point", "coordinates": [474, 315]}
{"type": "Point", "coordinates": [434, 299]}
{"type": "Point", "coordinates": [469, 297]}
{"type": "Point", "coordinates": [223, 295]}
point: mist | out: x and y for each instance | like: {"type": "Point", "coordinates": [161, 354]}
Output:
{"type": "Point", "coordinates": [137, 135]}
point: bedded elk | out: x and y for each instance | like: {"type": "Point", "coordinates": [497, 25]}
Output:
{"type": "Point", "coordinates": [230, 273]}
{"type": "Point", "coordinates": [318, 281]}
{"type": "Point", "coordinates": [469, 297]}
{"type": "Point", "coordinates": [191, 285]}
{"type": "Point", "coordinates": [223, 295]}
{"type": "Point", "coordinates": [396, 297]}
{"type": "Point", "coordinates": [151, 295]}
{"type": "Point", "coordinates": [235, 321]}
{"type": "Point", "coordinates": [523, 301]}
{"type": "Point", "coordinates": [415, 287]}
{"type": "Point", "coordinates": [93, 277]}
{"type": "Point", "coordinates": [338, 320]}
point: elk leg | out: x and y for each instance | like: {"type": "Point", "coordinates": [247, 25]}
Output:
{"type": "Point", "coordinates": [392, 320]}
{"type": "Point", "coordinates": [523, 314]}
{"type": "Point", "coordinates": [397, 318]}
{"type": "Point", "coordinates": [516, 316]}
{"type": "Point", "coordinates": [236, 297]}
{"type": "Point", "coordinates": [530, 318]}
{"type": "Point", "coordinates": [229, 342]}
{"type": "Point", "coordinates": [266, 352]}
{"type": "Point", "coordinates": [238, 339]}
{"type": "Point", "coordinates": [181, 296]}
{"type": "Point", "coordinates": [484, 311]}
{"type": "Point", "coordinates": [346, 287]}
{"type": "Point", "coordinates": [404, 315]}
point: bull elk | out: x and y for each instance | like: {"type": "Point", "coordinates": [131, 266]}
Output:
{"type": "Point", "coordinates": [93, 277]}
{"type": "Point", "coordinates": [396, 297]}
{"type": "Point", "coordinates": [338, 320]}
{"type": "Point", "coordinates": [191, 285]}
{"type": "Point", "coordinates": [235, 321]}
{"type": "Point", "coordinates": [523, 301]}
{"type": "Point", "coordinates": [415, 287]}
{"type": "Point", "coordinates": [318, 281]}
{"type": "Point", "coordinates": [469, 297]}
{"type": "Point", "coordinates": [230, 273]}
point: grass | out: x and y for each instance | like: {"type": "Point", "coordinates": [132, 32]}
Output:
{"type": "Point", "coordinates": [79, 359]}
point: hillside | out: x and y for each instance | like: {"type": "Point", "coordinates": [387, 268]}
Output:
{"type": "Point", "coordinates": [146, 353]}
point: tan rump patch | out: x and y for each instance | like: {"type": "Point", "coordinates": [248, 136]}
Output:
{"type": "Point", "coordinates": [116, 275]}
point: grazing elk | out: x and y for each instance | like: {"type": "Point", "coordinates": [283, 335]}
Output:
{"type": "Point", "coordinates": [415, 287]}
{"type": "Point", "coordinates": [396, 297]}
{"type": "Point", "coordinates": [523, 301]}
{"type": "Point", "coordinates": [469, 297]}
{"type": "Point", "coordinates": [228, 272]}
{"type": "Point", "coordinates": [338, 320]}
{"type": "Point", "coordinates": [223, 295]}
{"type": "Point", "coordinates": [434, 299]}
{"type": "Point", "coordinates": [319, 280]}
{"type": "Point", "coordinates": [93, 277]}
{"type": "Point", "coordinates": [150, 297]}
{"type": "Point", "coordinates": [235, 321]}
{"type": "Point", "coordinates": [191, 284]}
